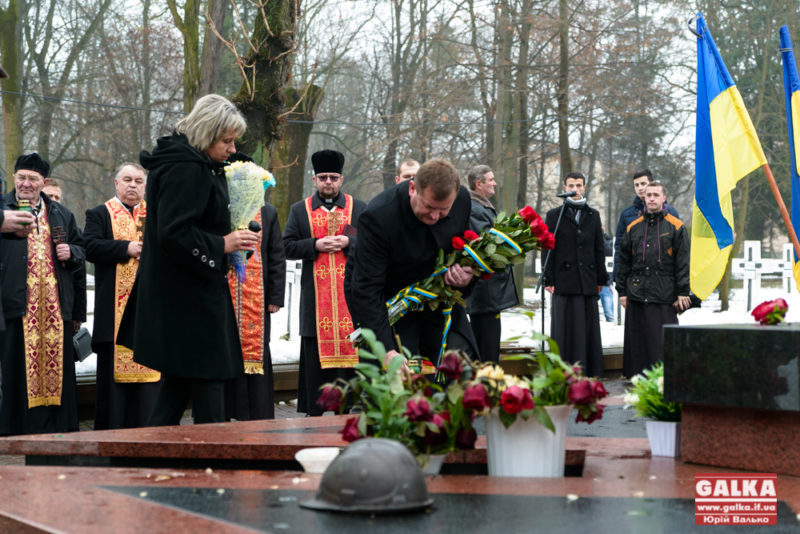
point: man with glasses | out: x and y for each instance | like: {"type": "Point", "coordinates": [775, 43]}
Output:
{"type": "Point", "coordinates": [320, 231]}
{"type": "Point", "coordinates": [39, 304]}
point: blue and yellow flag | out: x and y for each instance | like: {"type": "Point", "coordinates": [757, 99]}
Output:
{"type": "Point", "coordinates": [791, 89]}
{"type": "Point", "coordinates": [726, 150]}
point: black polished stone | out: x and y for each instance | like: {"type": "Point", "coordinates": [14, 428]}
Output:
{"type": "Point", "coordinates": [278, 511]}
{"type": "Point", "coordinates": [743, 366]}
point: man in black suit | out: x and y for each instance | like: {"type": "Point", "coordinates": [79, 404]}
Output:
{"type": "Point", "coordinates": [575, 274]}
{"type": "Point", "coordinates": [400, 235]}
{"type": "Point", "coordinates": [126, 391]}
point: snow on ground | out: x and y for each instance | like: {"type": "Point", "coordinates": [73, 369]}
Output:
{"type": "Point", "coordinates": [285, 344]}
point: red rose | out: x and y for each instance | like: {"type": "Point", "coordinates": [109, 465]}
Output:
{"type": "Point", "coordinates": [465, 438]}
{"type": "Point", "coordinates": [418, 409]}
{"type": "Point", "coordinates": [528, 214]}
{"type": "Point", "coordinates": [475, 398]}
{"type": "Point", "coordinates": [580, 392]}
{"type": "Point", "coordinates": [451, 366]}
{"type": "Point", "coordinates": [770, 311]}
{"type": "Point", "coordinates": [515, 399]}
{"type": "Point", "coordinates": [539, 228]}
{"type": "Point", "coordinates": [486, 276]}
{"type": "Point", "coordinates": [548, 241]}
{"type": "Point", "coordinates": [470, 236]}
{"type": "Point", "coordinates": [599, 390]}
{"type": "Point", "coordinates": [350, 430]}
{"type": "Point", "coordinates": [457, 243]}
{"type": "Point", "coordinates": [592, 417]}
{"type": "Point", "coordinates": [330, 399]}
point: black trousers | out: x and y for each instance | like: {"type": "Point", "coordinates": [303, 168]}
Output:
{"type": "Point", "coordinates": [486, 327]}
{"type": "Point", "coordinates": [207, 396]}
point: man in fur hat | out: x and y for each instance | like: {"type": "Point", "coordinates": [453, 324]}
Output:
{"type": "Point", "coordinates": [320, 231]}
{"type": "Point", "coordinates": [39, 304]}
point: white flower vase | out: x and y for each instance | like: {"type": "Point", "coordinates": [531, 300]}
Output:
{"type": "Point", "coordinates": [527, 448]}
{"type": "Point", "coordinates": [665, 438]}
{"type": "Point", "coordinates": [435, 462]}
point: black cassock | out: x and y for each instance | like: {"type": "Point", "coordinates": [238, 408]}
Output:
{"type": "Point", "coordinates": [395, 249]}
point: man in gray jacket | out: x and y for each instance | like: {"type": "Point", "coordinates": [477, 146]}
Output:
{"type": "Point", "coordinates": [496, 292]}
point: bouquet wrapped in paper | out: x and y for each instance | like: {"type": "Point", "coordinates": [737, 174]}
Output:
{"type": "Point", "coordinates": [246, 185]}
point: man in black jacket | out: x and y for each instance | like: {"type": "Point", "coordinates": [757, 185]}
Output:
{"type": "Point", "coordinates": [576, 271]}
{"type": "Point", "coordinates": [496, 293]}
{"type": "Point", "coordinates": [652, 281]}
{"type": "Point", "coordinates": [38, 293]}
{"type": "Point", "coordinates": [400, 235]}
{"type": "Point", "coordinates": [126, 391]}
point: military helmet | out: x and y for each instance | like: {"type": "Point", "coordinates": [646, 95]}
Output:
{"type": "Point", "coordinates": [372, 475]}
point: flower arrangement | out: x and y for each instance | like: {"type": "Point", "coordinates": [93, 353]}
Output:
{"type": "Point", "coordinates": [647, 396]}
{"type": "Point", "coordinates": [246, 185]}
{"type": "Point", "coordinates": [771, 311]}
{"type": "Point", "coordinates": [426, 417]}
{"type": "Point", "coordinates": [433, 418]}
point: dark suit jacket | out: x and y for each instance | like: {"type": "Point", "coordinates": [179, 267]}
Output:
{"type": "Point", "coordinates": [299, 245]}
{"type": "Point", "coordinates": [394, 250]}
{"type": "Point", "coordinates": [105, 252]}
{"type": "Point", "coordinates": [577, 264]}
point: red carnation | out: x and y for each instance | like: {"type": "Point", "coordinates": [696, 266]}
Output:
{"type": "Point", "coordinates": [528, 214]}
{"type": "Point", "coordinates": [350, 431]}
{"type": "Point", "coordinates": [516, 399]}
{"type": "Point", "coordinates": [486, 276]}
{"type": "Point", "coordinates": [475, 398]}
{"type": "Point", "coordinates": [580, 392]}
{"type": "Point", "coordinates": [451, 366]}
{"type": "Point", "coordinates": [330, 399]}
{"type": "Point", "coordinates": [770, 311]}
{"type": "Point", "coordinates": [457, 243]}
{"type": "Point", "coordinates": [548, 241]}
{"type": "Point", "coordinates": [418, 410]}
{"type": "Point", "coordinates": [599, 390]}
{"type": "Point", "coordinates": [470, 236]}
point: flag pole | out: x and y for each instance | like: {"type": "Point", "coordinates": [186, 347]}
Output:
{"type": "Point", "coordinates": [781, 206]}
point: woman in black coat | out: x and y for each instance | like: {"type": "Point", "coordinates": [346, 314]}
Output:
{"type": "Point", "coordinates": [179, 319]}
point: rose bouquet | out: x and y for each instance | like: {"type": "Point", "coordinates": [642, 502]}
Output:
{"type": "Point", "coordinates": [647, 396]}
{"type": "Point", "coordinates": [771, 311]}
{"type": "Point", "coordinates": [428, 418]}
{"type": "Point", "coordinates": [246, 185]}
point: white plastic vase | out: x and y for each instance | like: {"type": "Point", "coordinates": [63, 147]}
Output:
{"type": "Point", "coordinates": [527, 448]}
{"type": "Point", "coordinates": [665, 438]}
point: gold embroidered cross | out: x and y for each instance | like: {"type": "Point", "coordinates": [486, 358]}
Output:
{"type": "Point", "coordinates": [326, 323]}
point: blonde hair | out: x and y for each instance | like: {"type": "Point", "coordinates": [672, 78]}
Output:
{"type": "Point", "coordinates": [211, 117]}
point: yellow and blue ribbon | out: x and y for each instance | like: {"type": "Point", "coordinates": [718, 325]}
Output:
{"type": "Point", "coordinates": [478, 260]}
{"type": "Point", "coordinates": [507, 239]}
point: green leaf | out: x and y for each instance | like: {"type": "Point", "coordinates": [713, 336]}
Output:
{"type": "Point", "coordinates": [543, 417]}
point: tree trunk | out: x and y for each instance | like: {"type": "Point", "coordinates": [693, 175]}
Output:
{"type": "Point", "coordinates": [563, 89]}
{"type": "Point", "coordinates": [502, 81]}
{"type": "Point", "coordinates": [189, 28]}
{"type": "Point", "coordinates": [263, 103]}
{"type": "Point", "coordinates": [212, 47]}
{"type": "Point", "coordinates": [12, 111]}
{"type": "Point", "coordinates": [290, 152]}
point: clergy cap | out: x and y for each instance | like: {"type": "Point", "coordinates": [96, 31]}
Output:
{"type": "Point", "coordinates": [327, 161]}
{"type": "Point", "coordinates": [32, 162]}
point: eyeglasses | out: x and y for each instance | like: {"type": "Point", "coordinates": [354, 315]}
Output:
{"type": "Point", "coordinates": [328, 177]}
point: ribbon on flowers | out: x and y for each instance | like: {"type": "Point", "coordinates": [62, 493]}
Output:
{"type": "Point", "coordinates": [448, 321]}
{"type": "Point", "coordinates": [478, 259]}
{"type": "Point", "coordinates": [507, 239]}
{"type": "Point", "coordinates": [411, 297]}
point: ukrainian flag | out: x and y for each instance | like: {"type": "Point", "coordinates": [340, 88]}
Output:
{"type": "Point", "coordinates": [726, 150]}
{"type": "Point", "coordinates": [791, 86]}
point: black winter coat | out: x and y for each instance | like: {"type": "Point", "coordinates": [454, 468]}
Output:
{"type": "Point", "coordinates": [14, 265]}
{"type": "Point", "coordinates": [179, 319]}
{"type": "Point", "coordinates": [498, 292]}
{"type": "Point", "coordinates": [299, 245]}
{"type": "Point", "coordinates": [654, 260]}
{"type": "Point", "coordinates": [577, 264]}
{"type": "Point", "coordinates": [394, 250]}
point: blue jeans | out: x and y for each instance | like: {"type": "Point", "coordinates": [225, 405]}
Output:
{"type": "Point", "coordinates": [607, 299]}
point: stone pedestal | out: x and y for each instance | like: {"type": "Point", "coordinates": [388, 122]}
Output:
{"type": "Point", "coordinates": [740, 389]}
